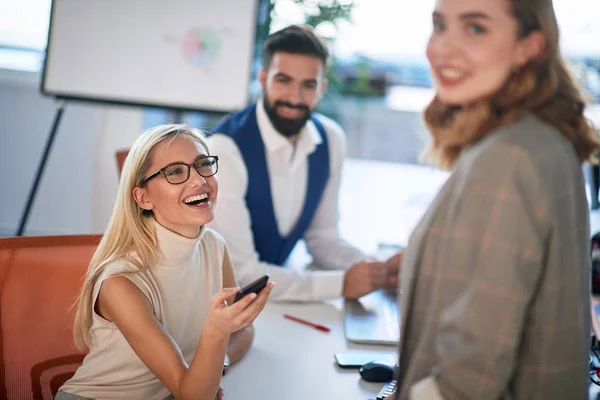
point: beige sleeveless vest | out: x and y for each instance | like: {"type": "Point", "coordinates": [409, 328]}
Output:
{"type": "Point", "coordinates": [179, 289]}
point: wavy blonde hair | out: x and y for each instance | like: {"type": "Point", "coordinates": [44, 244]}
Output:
{"type": "Point", "coordinates": [543, 86]}
{"type": "Point", "coordinates": [130, 234]}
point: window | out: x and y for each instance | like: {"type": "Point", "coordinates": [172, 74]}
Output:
{"type": "Point", "coordinates": [24, 24]}
{"type": "Point", "coordinates": [380, 76]}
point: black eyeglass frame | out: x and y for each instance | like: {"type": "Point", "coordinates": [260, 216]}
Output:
{"type": "Point", "coordinates": [189, 169]}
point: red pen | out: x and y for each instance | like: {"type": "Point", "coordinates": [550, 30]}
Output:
{"type": "Point", "coordinates": [321, 328]}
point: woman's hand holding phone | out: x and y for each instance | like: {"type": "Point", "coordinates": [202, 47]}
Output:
{"type": "Point", "coordinates": [227, 318]}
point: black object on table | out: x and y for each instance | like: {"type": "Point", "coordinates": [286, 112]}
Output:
{"type": "Point", "coordinates": [388, 389]}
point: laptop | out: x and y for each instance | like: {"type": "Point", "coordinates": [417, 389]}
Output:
{"type": "Point", "coordinates": [373, 319]}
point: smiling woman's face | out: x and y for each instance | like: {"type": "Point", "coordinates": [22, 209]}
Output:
{"type": "Point", "coordinates": [173, 205]}
{"type": "Point", "coordinates": [473, 48]}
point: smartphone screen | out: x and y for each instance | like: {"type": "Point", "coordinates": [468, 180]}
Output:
{"type": "Point", "coordinates": [357, 359]}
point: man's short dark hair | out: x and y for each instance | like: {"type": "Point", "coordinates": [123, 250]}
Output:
{"type": "Point", "coordinates": [296, 40]}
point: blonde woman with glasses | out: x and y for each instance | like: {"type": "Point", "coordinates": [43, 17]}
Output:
{"type": "Point", "coordinates": [155, 309]}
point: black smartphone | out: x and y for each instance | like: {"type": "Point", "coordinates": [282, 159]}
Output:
{"type": "Point", "coordinates": [356, 359]}
{"type": "Point", "coordinates": [253, 287]}
{"type": "Point", "coordinates": [595, 247]}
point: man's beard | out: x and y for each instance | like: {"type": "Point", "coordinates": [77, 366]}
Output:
{"type": "Point", "coordinates": [286, 126]}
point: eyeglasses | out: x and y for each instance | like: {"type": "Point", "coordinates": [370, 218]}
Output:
{"type": "Point", "coordinates": [178, 172]}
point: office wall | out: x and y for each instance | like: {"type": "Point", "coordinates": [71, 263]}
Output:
{"type": "Point", "coordinates": [77, 190]}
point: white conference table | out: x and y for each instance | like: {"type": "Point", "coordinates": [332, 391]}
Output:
{"type": "Point", "coordinates": [292, 361]}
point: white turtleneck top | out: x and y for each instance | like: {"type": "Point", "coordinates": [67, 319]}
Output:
{"type": "Point", "coordinates": [179, 289]}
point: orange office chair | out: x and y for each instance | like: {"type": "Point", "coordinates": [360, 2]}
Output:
{"type": "Point", "coordinates": [121, 155]}
{"type": "Point", "coordinates": [40, 278]}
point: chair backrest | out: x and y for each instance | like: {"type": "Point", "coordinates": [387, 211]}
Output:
{"type": "Point", "coordinates": [121, 155]}
{"type": "Point", "coordinates": [39, 281]}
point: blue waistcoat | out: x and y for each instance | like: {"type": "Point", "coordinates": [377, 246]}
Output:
{"type": "Point", "coordinates": [270, 245]}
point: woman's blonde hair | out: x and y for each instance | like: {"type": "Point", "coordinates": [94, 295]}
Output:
{"type": "Point", "coordinates": [130, 234]}
{"type": "Point", "coordinates": [543, 86]}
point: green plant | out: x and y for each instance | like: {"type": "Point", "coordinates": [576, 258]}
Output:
{"type": "Point", "coordinates": [316, 12]}
{"type": "Point", "coordinates": [362, 86]}
{"type": "Point", "coordinates": [319, 11]}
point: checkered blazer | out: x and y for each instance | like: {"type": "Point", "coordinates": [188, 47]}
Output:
{"type": "Point", "coordinates": [495, 282]}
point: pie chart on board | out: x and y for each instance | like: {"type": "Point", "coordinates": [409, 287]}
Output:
{"type": "Point", "coordinates": [201, 47]}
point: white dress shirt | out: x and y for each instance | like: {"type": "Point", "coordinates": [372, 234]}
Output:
{"type": "Point", "coordinates": [287, 166]}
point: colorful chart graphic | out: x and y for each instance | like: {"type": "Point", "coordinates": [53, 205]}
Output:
{"type": "Point", "coordinates": [202, 46]}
